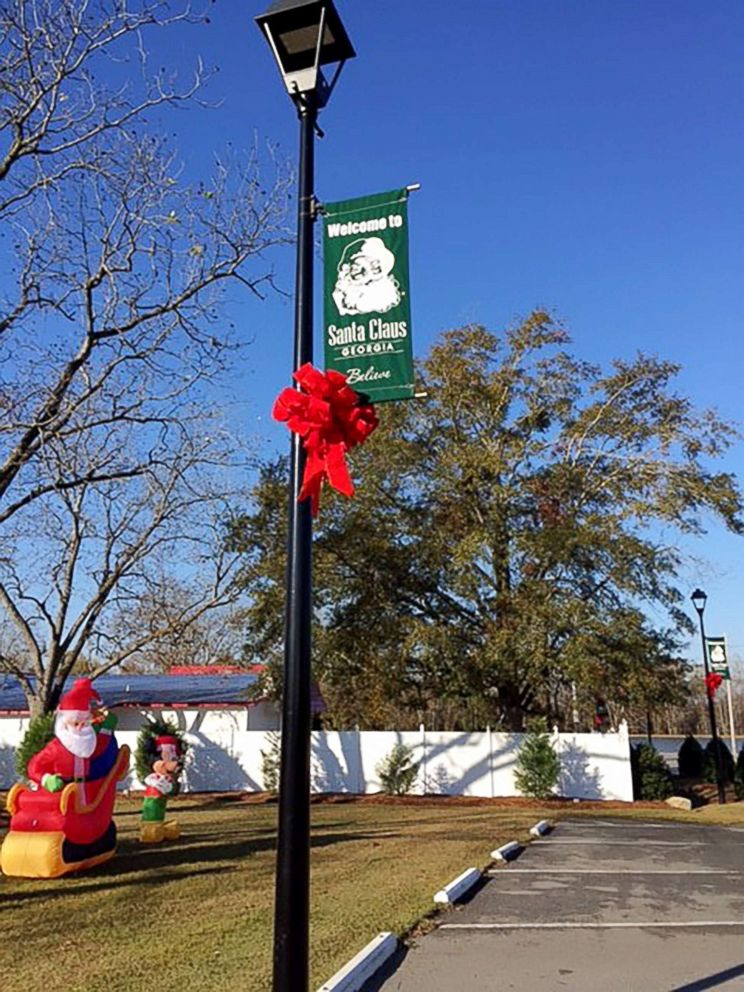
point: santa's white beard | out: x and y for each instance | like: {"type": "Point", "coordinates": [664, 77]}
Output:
{"type": "Point", "coordinates": [81, 743]}
{"type": "Point", "coordinates": [377, 296]}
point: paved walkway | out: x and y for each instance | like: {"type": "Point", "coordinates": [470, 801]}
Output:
{"type": "Point", "coordinates": [598, 906]}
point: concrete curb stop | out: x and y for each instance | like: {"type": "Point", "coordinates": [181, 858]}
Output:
{"type": "Point", "coordinates": [540, 828]}
{"type": "Point", "coordinates": [458, 887]}
{"type": "Point", "coordinates": [363, 965]}
{"type": "Point", "coordinates": [506, 851]}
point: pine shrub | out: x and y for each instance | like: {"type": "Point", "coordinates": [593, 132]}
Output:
{"type": "Point", "coordinates": [690, 758]}
{"type": "Point", "coordinates": [270, 761]}
{"type": "Point", "coordinates": [398, 770]}
{"type": "Point", "coordinates": [651, 776]}
{"type": "Point", "coordinates": [739, 776]}
{"type": "Point", "coordinates": [538, 766]}
{"type": "Point", "coordinates": [38, 734]}
{"type": "Point", "coordinates": [709, 765]}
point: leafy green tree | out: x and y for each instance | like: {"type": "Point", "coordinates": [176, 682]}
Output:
{"type": "Point", "coordinates": [538, 766]}
{"type": "Point", "coordinates": [510, 537]}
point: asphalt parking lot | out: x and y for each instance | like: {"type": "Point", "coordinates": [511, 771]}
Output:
{"type": "Point", "coordinates": [610, 905]}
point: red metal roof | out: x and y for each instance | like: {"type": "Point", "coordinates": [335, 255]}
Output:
{"type": "Point", "coordinates": [214, 669]}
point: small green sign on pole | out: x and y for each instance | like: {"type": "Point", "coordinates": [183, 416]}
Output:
{"type": "Point", "coordinates": [367, 304]}
{"type": "Point", "coordinates": [718, 656]}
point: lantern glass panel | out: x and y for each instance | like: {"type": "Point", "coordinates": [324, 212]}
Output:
{"type": "Point", "coordinates": [304, 39]}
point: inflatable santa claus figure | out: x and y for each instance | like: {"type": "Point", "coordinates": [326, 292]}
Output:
{"type": "Point", "coordinates": [79, 751]}
{"type": "Point", "coordinates": [63, 821]}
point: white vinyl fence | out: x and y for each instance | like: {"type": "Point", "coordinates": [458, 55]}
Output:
{"type": "Point", "coordinates": [224, 757]}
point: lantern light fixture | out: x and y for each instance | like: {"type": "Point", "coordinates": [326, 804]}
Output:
{"type": "Point", "coordinates": [305, 35]}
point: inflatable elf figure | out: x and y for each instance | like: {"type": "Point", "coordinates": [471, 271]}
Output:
{"type": "Point", "coordinates": [159, 784]}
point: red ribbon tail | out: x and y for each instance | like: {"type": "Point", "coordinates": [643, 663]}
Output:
{"type": "Point", "coordinates": [312, 480]}
{"type": "Point", "coordinates": [338, 470]}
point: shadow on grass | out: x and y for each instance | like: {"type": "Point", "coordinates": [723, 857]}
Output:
{"type": "Point", "coordinates": [146, 865]}
{"type": "Point", "coordinates": [41, 891]}
{"type": "Point", "coordinates": [189, 803]}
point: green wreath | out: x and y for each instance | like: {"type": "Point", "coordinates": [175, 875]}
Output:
{"type": "Point", "coordinates": [147, 752]}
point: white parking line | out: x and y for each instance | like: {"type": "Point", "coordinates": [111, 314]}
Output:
{"type": "Point", "coordinates": [619, 843]}
{"type": "Point", "coordinates": [620, 825]}
{"type": "Point", "coordinates": [567, 925]}
{"type": "Point", "coordinates": [612, 871]}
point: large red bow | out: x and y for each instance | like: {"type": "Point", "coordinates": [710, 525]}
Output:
{"type": "Point", "coordinates": [330, 420]}
{"type": "Point", "coordinates": [712, 682]}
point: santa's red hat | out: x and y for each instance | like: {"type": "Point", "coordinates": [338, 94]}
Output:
{"type": "Point", "coordinates": [80, 699]}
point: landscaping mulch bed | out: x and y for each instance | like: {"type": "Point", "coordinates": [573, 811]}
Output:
{"type": "Point", "coordinates": [502, 802]}
{"type": "Point", "coordinates": [381, 799]}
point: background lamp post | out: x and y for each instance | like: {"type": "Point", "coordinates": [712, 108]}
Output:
{"type": "Point", "coordinates": [699, 599]}
{"type": "Point", "coordinates": [304, 35]}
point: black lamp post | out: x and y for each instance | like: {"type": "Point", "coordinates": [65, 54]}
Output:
{"type": "Point", "coordinates": [303, 35]}
{"type": "Point", "coordinates": [699, 599]}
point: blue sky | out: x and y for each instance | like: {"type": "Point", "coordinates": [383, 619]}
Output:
{"type": "Point", "coordinates": [579, 155]}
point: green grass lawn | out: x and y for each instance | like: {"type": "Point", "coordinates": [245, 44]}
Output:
{"type": "Point", "coordinates": [197, 913]}
{"type": "Point", "coordinates": [729, 815]}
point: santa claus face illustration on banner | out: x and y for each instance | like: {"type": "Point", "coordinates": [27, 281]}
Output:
{"type": "Point", "coordinates": [365, 282]}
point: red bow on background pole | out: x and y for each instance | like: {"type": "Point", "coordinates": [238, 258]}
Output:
{"type": "Point", "coordinates": [330, 419]}
{"type": "Point", "coordinates": [712, 682]}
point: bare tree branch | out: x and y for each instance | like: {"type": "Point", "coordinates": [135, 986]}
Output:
{"type": "Point", "coordinates": [112, 336]}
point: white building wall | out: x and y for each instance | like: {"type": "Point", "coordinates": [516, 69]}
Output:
{"type": "Point", "coordinates": [12, 729]}
{"type": "Point", "coordinates": [226, 755]}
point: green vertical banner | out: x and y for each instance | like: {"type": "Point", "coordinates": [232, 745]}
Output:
{"type": "Point", "coordinates": [718, 656]}
{"type": "Point", "coordinates": [367, 304]}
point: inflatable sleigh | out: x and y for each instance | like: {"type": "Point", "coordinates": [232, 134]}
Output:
{"type": "Point", "coordinates": [53, 833]}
